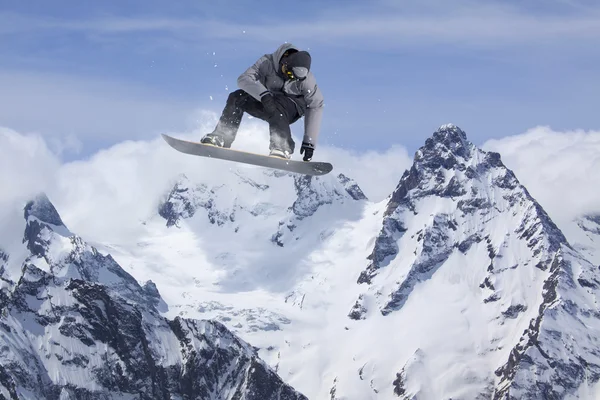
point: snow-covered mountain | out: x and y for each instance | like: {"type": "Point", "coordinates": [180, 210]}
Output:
{"type": "Point", "coordinates": [75, 325]}
{"type": "Point", "coordinates": [463, 243]}
{"type": "Point", "coordinates": [457, 286]}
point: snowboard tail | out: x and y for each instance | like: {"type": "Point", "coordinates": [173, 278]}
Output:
{"type": "Point", "coordinates": [205, 150]}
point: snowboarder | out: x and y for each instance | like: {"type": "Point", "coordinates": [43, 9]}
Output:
{"type": "Point", "coordinates": [279, 89]}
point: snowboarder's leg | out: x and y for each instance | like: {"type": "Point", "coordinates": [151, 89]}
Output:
{"type": "Point", "coordinates": [226, 130]}
{"type": "Point", "coordinates": [281, 142]}
{"type": "Point", "coordinates": [239, 102]}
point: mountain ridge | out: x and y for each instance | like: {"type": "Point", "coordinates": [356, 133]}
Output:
{"type": "Point", "coordinates": [76, 325]}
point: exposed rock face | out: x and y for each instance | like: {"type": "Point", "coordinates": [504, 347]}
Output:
{"type": "Point", "coordinates": [76, 325]}
{"type": "Point", "coordinates": [556, 355]}
{"type": "Point", "coordinates": [185, 199]}
{"type": "Point", "coordinates": [312, 194]}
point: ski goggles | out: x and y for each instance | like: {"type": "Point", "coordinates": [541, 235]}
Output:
{"type": "Point", "coordinates": [298, 73]}
{"type": "Point", "coordinates": [290, 74]}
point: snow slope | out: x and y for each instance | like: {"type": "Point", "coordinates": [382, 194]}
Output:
{"type": "Point", "coordinates": [458, 285]}
{"type": "Point", "coordinates": [584, 234]}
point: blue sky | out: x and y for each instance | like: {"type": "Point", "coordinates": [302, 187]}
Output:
{"type": "Point", "coordinates": [86, 75]}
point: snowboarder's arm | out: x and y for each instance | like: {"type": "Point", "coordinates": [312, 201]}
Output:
{"type": "Point", "coordinates": [314, 111]}
{"type": "Point", "coordinates": [249, 81]}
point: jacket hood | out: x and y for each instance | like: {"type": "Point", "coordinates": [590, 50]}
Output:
{"type": "Point", "coordinates": [282, 49]}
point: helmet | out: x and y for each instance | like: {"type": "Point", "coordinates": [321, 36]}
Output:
{"type": "Point", "coordinates": [297, 65]}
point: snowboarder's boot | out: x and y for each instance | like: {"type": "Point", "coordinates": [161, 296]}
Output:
{"type": "Point", "coordinates": [213, 139]}
{"type": "Point", "coordinates": [281, 154]}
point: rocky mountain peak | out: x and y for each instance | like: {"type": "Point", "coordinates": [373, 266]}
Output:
{"type": "Point", "coordinates": [449, 135]}
{"type": "Point", "coordinates": [448, 144]}
{"type": "Point", "coordinates": [42, 222]}
{"type": "Point", "coordinates": [440, 167]}
{"type": "Point", "coordinates": [41, 208]}
{"type": "Point", "coordinates": [472, 184]}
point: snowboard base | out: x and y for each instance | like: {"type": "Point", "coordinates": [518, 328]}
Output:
{"type": "Point", "coordinates": [221, 153]}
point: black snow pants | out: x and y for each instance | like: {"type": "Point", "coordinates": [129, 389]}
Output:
{"type": "Point", "coordinates": [240, 101]}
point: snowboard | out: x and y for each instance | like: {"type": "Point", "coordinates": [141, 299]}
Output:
{"type": "Point", "coordinates": [207, 150]}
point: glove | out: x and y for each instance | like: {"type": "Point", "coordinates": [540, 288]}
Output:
{"type": "Point", "coordinates": [268, 103]}
{"type": "Point", "coordinates": [307, 149]}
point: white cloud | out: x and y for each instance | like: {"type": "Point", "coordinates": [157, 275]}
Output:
{"type": "Point", "coordinates": [117, 188]}
{"type": "Point", "coordinates": [27, 166]}
{"type": "Point", "coordinates": [560, 169]}
{"type": "Point", "coordinates": [377, 173]}
{"type": "Point", "coordinates": [106, 196]}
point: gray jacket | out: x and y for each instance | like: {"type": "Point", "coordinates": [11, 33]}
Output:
{"type": "Point", "coordinates": [266, 76]}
